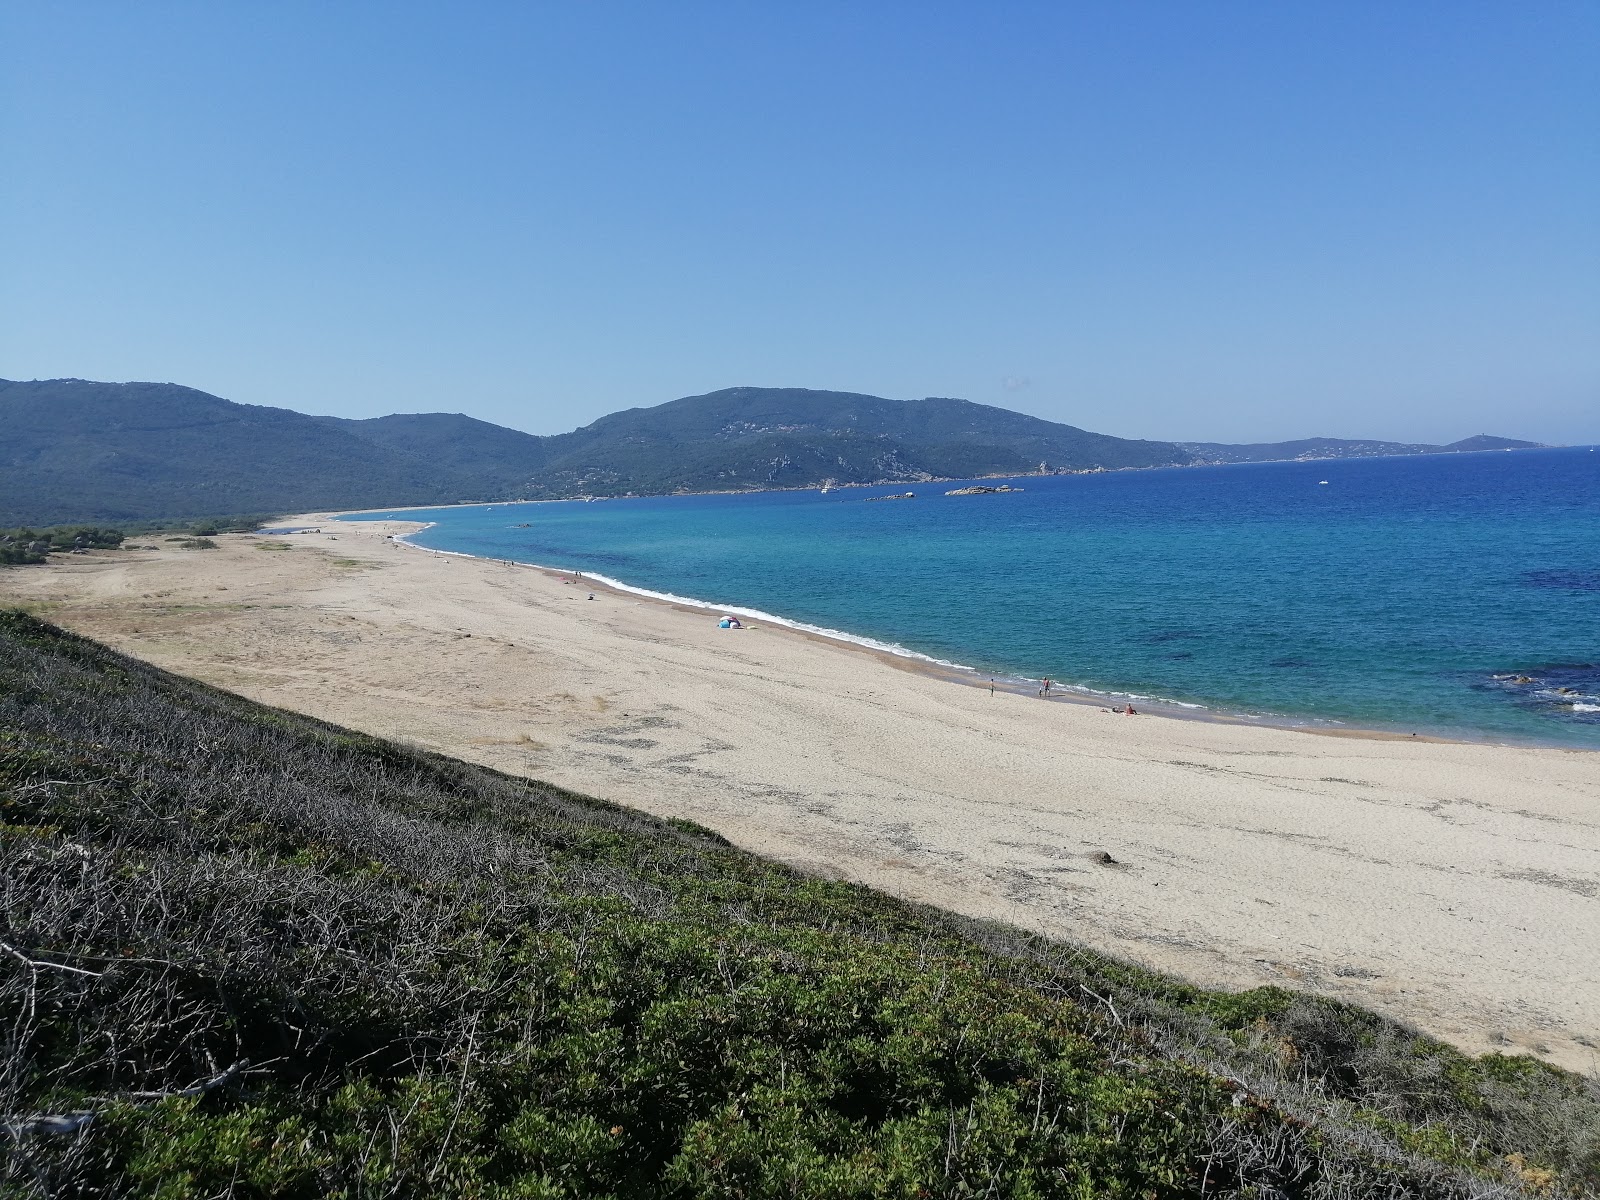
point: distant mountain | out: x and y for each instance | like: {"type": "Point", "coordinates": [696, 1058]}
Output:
{"type": "Point", "coordinates": [1485, 441]}
{"type": "Point", "coordinates": [77, 450]}
{"type": "Point", "coordinates": [793, 437]}
{"type": "Point", "coordinates": [1316, 448]}
{"type": "Point", "coordinates": [464, 448]}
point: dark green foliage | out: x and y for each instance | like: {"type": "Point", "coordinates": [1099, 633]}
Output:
{"type": "Point", "coordinates": [479, 455]}
{"type": "Point", "coordinates": [18, 551]}
{"type": "Point", "coordinates": [131, 452]}
{"type": "Point", "coordinates": [76, 449]}
{"type": "Point", "coordinates": [201, 526]}
{"type": "Point", "coordinates": [197, 543]}
{"type": "Point", "coordinates": [794, 437]}
{"type": "Point", "coordinates": [141, 452]}
{"type": "Point", "coordinates": [379, 972]}
{"type": "Point", "coordinates": [35, 545]}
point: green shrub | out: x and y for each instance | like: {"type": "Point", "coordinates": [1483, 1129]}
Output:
{"type": "Point", "coordinates": [426, 978]}
{"type": "Point", "coordinates": [33, 546]}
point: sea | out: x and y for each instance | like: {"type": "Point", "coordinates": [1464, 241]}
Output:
{"type": "Point", "coordinates": [1449, 594]}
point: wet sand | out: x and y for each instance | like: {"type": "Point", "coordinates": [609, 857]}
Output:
{"type": "Point", "coordinates": [1454, 886]}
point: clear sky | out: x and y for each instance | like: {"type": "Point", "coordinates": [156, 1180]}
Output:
{"type": "Point", "coordinates": [1196, 220]}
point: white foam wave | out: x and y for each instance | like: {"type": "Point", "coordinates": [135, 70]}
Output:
{"type": "Point", "coordinates": [1559, 696]}
{"type": "Point", "coordinates": [837, 635]}
{"type": "Point", "coordinates": [1102, 694]}
{"type": "Point", "coordinates": [1149, 699]}
{"type": "Point", "coordinates": [755, 614]}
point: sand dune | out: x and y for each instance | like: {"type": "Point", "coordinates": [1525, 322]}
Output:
{"type": "Point", "coordinates": [1453, 886]}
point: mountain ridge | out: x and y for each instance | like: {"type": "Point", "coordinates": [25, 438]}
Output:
{"type": "Point", "coordinates": [82, 450]}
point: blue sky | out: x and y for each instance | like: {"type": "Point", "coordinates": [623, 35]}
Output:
{"type": "Point", "coordinates": [1231, 221]}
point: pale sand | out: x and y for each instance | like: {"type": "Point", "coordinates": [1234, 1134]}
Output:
{"type": "Point", "coordinates": [1452, 886]}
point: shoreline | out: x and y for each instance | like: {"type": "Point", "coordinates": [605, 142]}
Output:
{"type": "Point", "coordinates": [968, 676]}
{"type": "Point", "coordinates": [811, 487]}
{"type": "Point", "coordinates": [1453, 886]}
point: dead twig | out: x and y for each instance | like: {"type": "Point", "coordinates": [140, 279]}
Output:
{"type": "Point", "coordinates": [1106, 1000]}
{"type": "Point", "coordinates": [23, 1127]}
{"type": "Point", "coordinates": [37, 963]}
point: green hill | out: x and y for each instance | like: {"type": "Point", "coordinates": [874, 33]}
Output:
{"type": "Point", "coordinates": [469, 451]}
{"type": "Point", "coordinates": [80, 451]}
{"type": "Point", "coordinates": [1488, 441]}
{"type": "Point", "coordinates": [137, 451]}
{"type": "Point", "coordinates": [77, 450]}
{"type": "Point", "coordinates": [794, 437]}
{"type": "Point", "coordinates": [249, 954]}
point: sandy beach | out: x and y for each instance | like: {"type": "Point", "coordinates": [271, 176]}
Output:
{"type": "Point", "coordinates": [1452, 886]}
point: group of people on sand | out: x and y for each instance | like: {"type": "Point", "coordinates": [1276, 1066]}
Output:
{"type": "Point", "coordinates": [730, 622]}
{"type": "Point", "coordinates": [577, 575]}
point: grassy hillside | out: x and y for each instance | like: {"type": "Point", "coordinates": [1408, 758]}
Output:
{"type": "Point", "coordinates": [249, 954]}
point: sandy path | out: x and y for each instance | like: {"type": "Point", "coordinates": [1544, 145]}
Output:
{"type": "Point", "coordinates": [1456, 887]}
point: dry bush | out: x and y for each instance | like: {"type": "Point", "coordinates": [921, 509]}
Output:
{"type": "Point", "coordinates": [247, 953]}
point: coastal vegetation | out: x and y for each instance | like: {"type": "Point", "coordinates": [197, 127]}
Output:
{"type": "Point", "coordinates": [31, 546]}
{"type": "Point", "coordinates": [136, 453]}
{"type": "Point", "coordinates": [248, 953]}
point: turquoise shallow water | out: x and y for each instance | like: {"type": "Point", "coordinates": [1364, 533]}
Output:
{"type": "Point", "coordinates": [1453, 594]}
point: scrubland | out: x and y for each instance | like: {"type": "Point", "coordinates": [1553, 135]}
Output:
{"type": "Point", "coordinates": [248, 953]}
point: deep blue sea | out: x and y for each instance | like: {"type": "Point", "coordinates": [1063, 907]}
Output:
{"type": "Point", "coordinates": [1454, 594]}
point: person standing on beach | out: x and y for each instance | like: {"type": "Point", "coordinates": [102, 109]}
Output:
{"type": "Point", "coordinates": [991, 687]}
